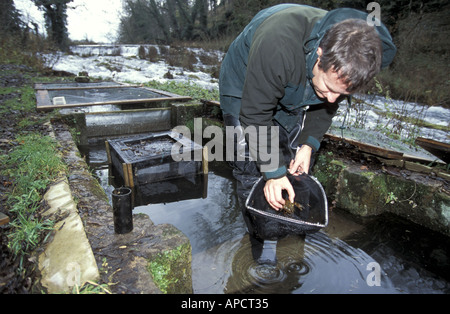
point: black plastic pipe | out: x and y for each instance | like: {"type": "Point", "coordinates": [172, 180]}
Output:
{"type": "Point", "coordinates": [122, 210]}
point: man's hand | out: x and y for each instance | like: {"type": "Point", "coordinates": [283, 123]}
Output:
{"type": "Point", "coordinates": [273, 192]}
{"type": "Point", "coordinates": [302, 161]}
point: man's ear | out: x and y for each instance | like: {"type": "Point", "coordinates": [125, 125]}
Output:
{"type": "Point", "coordinates": [319, 52]}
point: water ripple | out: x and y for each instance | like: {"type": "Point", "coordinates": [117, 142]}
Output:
{"type": "Point", "coordinates": [317, 264]}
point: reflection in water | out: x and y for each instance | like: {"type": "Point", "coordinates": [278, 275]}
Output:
{"type": "Point", "coordinates": [206, 221]}
{"type": "Point", "coordinates": [311, 264]}
{"type": "Point", "coordinates": [179, 189]}
{"type": "Point", "coordinates": [250, 274]}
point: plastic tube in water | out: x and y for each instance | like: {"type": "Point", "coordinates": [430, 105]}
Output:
{"type": "Point", "coordinates": [122, 210]}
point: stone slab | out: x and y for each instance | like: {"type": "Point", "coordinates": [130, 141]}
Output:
{"type": "Point", "coordinates": [3, 219]}
{"type": "Point", "coordinates": [68, 259]}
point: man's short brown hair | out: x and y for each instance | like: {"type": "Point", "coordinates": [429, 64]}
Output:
{"type": "Point", "coordinates": [354, 50]}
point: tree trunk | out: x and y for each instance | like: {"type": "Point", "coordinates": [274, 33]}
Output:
{"type": "Point", "coordinates": [154, 11]}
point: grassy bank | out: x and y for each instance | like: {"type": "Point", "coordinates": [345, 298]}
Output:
{"type": "Point", "coordinates": [29, 162]}
{"type": "Point", "coordinates": [34, 164]}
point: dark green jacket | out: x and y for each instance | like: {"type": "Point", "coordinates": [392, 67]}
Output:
{"type": "Point", "coordinates": [267, 71]}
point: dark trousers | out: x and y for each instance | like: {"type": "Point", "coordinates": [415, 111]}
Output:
{"type": "Point", "coordinates": [246, 172]}
{"type": "Point", "coordinates": [245, 169]}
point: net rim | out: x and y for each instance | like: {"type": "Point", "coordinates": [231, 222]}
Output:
{"type": "Point", "coordinates": [287, 219]}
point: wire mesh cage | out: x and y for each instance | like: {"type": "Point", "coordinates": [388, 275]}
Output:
{"type": "Point", "coordinates": [308, 213]}
{"type": "Point", "coordinates": [148, 158]}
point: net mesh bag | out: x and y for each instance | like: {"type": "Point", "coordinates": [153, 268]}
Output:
{"type": "Point", "coordinates": [308, 213]}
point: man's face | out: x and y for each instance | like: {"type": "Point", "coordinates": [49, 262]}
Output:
{"type": "Point", "coordinates": [327, 85]}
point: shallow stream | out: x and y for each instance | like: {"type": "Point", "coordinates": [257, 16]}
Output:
{"type": "Point", "coordinates": [350, 255]}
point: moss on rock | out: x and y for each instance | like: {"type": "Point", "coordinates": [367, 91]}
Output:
{"type": "Point", "coordinates": [363, 192]}
{"type": "Point", "coordinates": [169, 270]}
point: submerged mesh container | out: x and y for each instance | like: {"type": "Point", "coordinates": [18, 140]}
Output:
{"type": "Point", "coordinates": [308, 214]}
{"type": "Point", "coordinates": [149, 158]}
